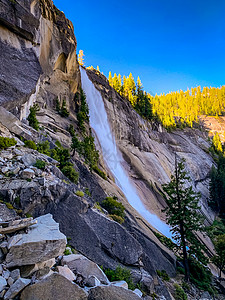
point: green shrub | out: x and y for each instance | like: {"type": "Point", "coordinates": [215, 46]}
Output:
{"type": "Point", "coordinates": [71, 130]}
{"type": "Point", "coordinates": [9, 205]}
{"type": "Point", "coordinates": [40, 164]}
{"type": "Point", "coordinates": [163, 275]}
{"type": "Point", "coordinates": [117, 219]}
{"type": "Point", "coordinates": [7, 142]}
{"type": "Point", "coordinates": [30, 144]}
{"type": "Point", "coordinates": [179, 293]}
{"type": "Point", "coordinates": [200, 275]}
{"type": "Point", "coordinates": [113, 206]}
{"type": "Point", "coordinates": [62, 110]}
{"type": "Point", "coordinates": [33, 122]}
{"type": "Point", "coordinates": [87, 192]}
{"type": "Point", "coordinates": [120, 274]}
{"type": "Point", "coordinates": [67, 252]}
{"type": "Point", "coordinates": [185, 286]}
{"type": "Point", "coordinates": [80, 194]}
{"type": "Point", "coordinates": [99, 172]}
{"type": "Point", "coordinates": [69, 172]}
{"type": "Point", "coordinates": [44, 148]}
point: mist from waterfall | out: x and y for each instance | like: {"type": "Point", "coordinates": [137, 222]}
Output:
{"type": "Point", "coordinates": [112, 156]}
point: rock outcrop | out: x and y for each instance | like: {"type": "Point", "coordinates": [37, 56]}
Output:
{"type": "Point", "coordinates": [38, 55]}
{"type": "Point", "coordinates": [42, 242]}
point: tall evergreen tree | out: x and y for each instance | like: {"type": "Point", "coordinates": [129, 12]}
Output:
{"type": "Point", "coordinates": [182, 213]}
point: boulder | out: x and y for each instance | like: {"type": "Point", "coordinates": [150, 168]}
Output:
{"type": "Point", "coordinates": [29, 159]}
{"type": "Point", "coordinates": [42, 242]}
{"type": "Point", "coordinates": [138, 292]}
{"type": "Point", "coordinates": [66, 272]}
{"type": "Point", "coordinates": [85, 267]}
{"type": "Point", "coordinates": [28, 174]}
{"type": "Point", "coordinates": [17, 225]}
{"type": "Point", "coordinates": [16, 288]}
{"type": "Point", "coordinates": [121, 283]}
{"type": "Point", "coordinates": [15, 274]}
{"type": "Point", "coordinates": [52, 288]}
{"type": "Point", "coordinates": [3, 283]}
{"type": "Point", "coordinates": [92, 281]}
{"type": "Point", "coordinates": [112, 293]}
{"type": "Point", "coordinates": [27, 271]}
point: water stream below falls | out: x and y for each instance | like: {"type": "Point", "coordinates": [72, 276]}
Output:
{"type": "Point", "coordinates": [112, 157]}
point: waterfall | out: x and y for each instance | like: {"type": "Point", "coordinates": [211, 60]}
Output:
{"type": "Point", "coordinates": [111, 155]}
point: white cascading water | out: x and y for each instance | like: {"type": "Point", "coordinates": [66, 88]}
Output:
{"type": "Point", "coordinates": [112, 157]}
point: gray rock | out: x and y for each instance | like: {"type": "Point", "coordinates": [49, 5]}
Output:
{"type": "Point", "coordinates": [92, 281]}
{"type": "Point", "coordinates": [10, 281]}
{"type": "Point", "coordinates": [138, 292]}
{"type": "Point", "coordinates": [15, 274]}
{"type": "Point", "coordinates": [42, 242]}
{"type": "Point", "coordinates": [121, 283]}
{"type": "Point", "coordinates": [1, 269]}
{"type": "Point", "coordinates": [27, 271]}
{"type": "Point", "coordinates": [28, 174]}
{"type": "Point", "coordinates": [85, 267]}
{"type": "Point", "coordinates": [15, 170]}
{"type": "Point", "coordinates": [52, 288]}
{"type": "Point", "coordinates": [16, 288]}
{"type": "Point", "coordinates": [3, 283]}
{"type": "Point", "coordinates": [4, 247]}
{"type": "Point", "coordinates": [29, 159]}
{"type": "Point", "coordinates": [5, 170]}
{"type": "Point", "coordinates": [112, 293]}
{"type": "Point", "coordinates": [147, 282]}
{"type": "Point", "coordinates": [66, 272]}
{"type": "Point", "coordinates": [6, 274]}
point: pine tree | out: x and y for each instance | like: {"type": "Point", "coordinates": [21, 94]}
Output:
{"type": "Point", "coordinates": [219, 258]}
{"type": "Point", "coordinates": [217, 145]}
{"type": "Point", "coordinates": [182, 213]}
{"type": "Point", "coordinates": [81, 57]}
{"type": "Point", "coordinates": [110, 79]}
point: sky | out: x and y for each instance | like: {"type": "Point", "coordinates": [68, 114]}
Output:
{"type": "Point", "coordinates": [170, 44]}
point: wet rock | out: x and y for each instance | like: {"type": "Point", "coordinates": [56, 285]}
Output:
{"type": "Point", "coordinates": [42, 242]}
{"type": "Point", "coordinates": [66, 272]}
{"type": "Point", "coordinates": [111, 292]}
{"type": "Point", "coordinates": [52, 288]}
{"type": "Point", "coordinates": [85, 267]}
{"type": "Point", "coordinates": [16, 288]}
{"type": "Point", "coordinates": [3, 283]}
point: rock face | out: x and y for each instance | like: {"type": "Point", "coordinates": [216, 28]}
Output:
{"type": "Point", "coordinates": [149, 151]}
{"type": "Point", "coordinates": [53, 287]}
{"type": "Point", "coordinates": [42, 242]}
{"type": "Point", "coordinates": [38, 47]}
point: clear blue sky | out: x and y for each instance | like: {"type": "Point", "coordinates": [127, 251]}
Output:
{"type": "Point", "coordinates": [170, 44]}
